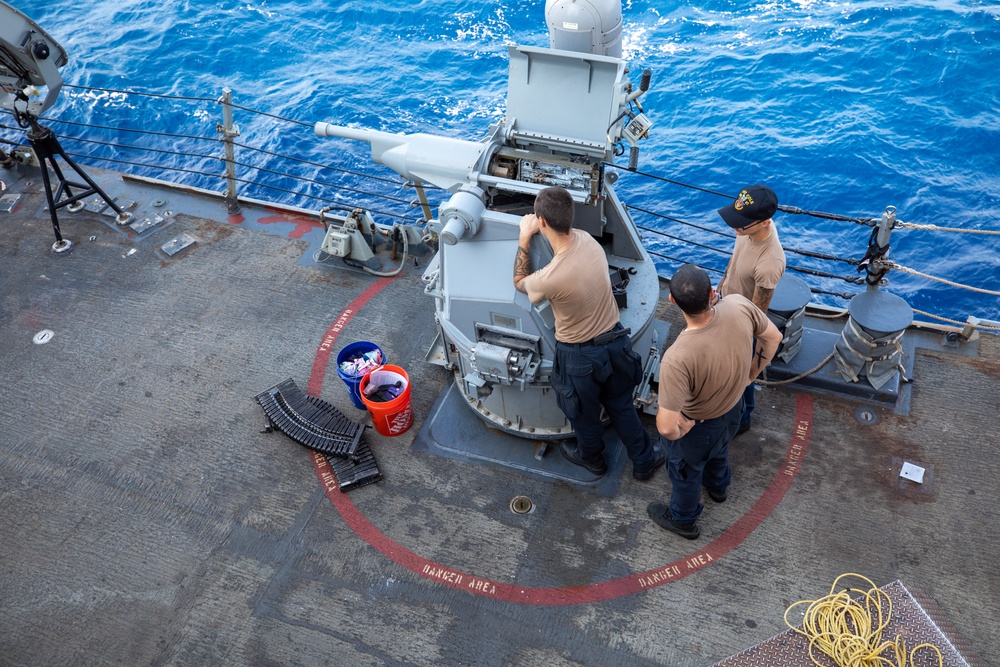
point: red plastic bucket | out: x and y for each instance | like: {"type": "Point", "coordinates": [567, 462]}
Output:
{"type": "Point", "coordinates": [391, 417]}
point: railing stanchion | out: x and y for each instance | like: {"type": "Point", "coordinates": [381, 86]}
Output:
{"type": "Point", "coordinates": [229, 130]}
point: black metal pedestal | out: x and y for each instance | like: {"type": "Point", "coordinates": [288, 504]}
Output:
{"type": "Point", "coordinates": [43, 141]}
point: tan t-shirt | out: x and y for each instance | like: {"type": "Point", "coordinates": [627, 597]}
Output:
{"type": "Point", "coordinates": [703, 374]}
{"type": "Point", "coordinates": [577, 284]}
{"type": "Point", "coordinates": [754, 263]}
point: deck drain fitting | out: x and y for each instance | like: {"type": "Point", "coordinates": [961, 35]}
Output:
{"type": "Point", "coordinates": [43, 337]}
{"type": "Point", "coordinates": [866, 416]}
{"type": "Point", "coordinates": [521, 505]}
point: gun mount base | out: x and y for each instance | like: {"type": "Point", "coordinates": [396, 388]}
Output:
{"type": "Point", "coordinates": [453, 431]}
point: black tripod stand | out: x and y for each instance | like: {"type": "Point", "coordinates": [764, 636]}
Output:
{"type": "Point", "coordinates": [43, 141]}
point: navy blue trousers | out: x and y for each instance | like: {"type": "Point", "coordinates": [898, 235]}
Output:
{"type": "Point", "coordinates": [748, 394]}
{"type": "Point", "coordinates": [700, 458]}
{"type": "Point", "coordinates": [587, 377]}
{"type": "Point", "coordinates": [748, 398]}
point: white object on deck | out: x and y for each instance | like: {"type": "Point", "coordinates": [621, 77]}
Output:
{"type": "Point", "coordinates": [912, 472]}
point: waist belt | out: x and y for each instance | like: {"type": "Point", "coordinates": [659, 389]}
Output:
{"type": "Point", "coordinates": [614, 333]}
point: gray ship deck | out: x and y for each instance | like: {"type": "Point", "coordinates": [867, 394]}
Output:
{"type": "Point", "coordinates": [147, 520]}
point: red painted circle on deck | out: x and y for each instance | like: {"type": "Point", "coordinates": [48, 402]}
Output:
{"type": "Point", "coordinates": [674, 571]}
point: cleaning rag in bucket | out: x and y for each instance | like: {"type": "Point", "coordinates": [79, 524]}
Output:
{"type": "Point", "coordinates": [361, 364]}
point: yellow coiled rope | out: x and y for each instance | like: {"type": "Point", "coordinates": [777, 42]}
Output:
{"type": "Point", "coordinates": [849, 630]}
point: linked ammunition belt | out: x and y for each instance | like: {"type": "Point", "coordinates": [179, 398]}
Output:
{"type": "Point", "coordinates": [353, 474]}
{"type": "Point", "coordinates": [321, 427]}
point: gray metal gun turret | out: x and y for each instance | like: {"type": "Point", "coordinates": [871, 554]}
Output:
{"type": "Point", "coordinates": [568, 114]}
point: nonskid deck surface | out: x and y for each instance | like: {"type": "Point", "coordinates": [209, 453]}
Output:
{"type": "Point", "coordinates": [147, 520]}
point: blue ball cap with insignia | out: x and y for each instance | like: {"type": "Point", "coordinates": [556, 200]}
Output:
{"type": "Point", "coordinates": [753, 204]}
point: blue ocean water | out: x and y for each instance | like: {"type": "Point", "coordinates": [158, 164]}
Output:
{"type": "Point", "coordinates": [844, 107]}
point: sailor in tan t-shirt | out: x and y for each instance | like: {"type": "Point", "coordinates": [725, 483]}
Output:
{"type": "Point", "coordinates": [758, 260]}
{"type": "Point", "coordinates": [594, 362]}
{"type": "Point", "coordinates": [702, 377]}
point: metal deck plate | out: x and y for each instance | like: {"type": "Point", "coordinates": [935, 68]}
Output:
{"type": "Point", "coordinates": [8, 203]}
{"type": "Point", "coordinates": [178, 244]}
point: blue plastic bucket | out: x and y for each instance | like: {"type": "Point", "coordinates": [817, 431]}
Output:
{"type": "Point", "coordinates": [352, 380]}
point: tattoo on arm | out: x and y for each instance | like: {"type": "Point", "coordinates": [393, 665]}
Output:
{"type": "Point", "coordinates": [521, 267]}
{"type": "Point", "coordinates": [759, 362]}
{"type": "Point", "coordinates": [762, 297]}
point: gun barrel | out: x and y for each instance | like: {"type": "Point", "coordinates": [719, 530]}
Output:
{"type": "Point", "coordinates": [330, 130]}
{"type": "Point", "coordinates": [441, 161]}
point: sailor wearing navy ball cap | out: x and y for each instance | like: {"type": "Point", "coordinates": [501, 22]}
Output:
{"type": "Point", "coordinates": [754, 204]}
{"type": "Point", "coordinates": [758, 261]}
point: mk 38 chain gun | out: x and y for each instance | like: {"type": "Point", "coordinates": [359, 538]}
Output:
{"type": "Point", "coordinates": [568, 114]}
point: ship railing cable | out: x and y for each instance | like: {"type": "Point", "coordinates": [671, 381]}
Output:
{"type": "Point", "coordinates": [793, 210]}
{"type": "Point", "coordinates": [343, 206]}
{"type": "Point", "coordinates": [323, 183]}
{"type": "Point", "coordinates": [162, 151]}
{"type": "Point", "coordinates": [684, 240]}
{"type": "Point", "coordinates": [661, 216]}
{"type": "Point", "coordinates": [856, 280]}
{"type": "Point", "coordinates": [352, 172]}
{"type": "Point", "coordinates": [271, 115]}
{"type": "Point", "coordinates": [121, 129]}
{"type": "Point", "coordinates": [822, 255]}
{"type": "Point", "coordinates": [143, 94]}
{"type": "Point", "coordinates": [217, 140]}
{"type": "Point", "coordinates": [842, 295]}
{"type": "Point", "coordinates": [666, 180]}
{"type": "Point", "coordinates": [681, 261]}
{"type": "Point", "coordinates": [805, 253]}
{"type": "Point", "coordinates": [340, 205]}
{"type": "Point", "coordinates": [214, 157]}
{"type": "Point", "coordinates": [865, 221]}
{"type": "Point", "coordinates": [870, 222]}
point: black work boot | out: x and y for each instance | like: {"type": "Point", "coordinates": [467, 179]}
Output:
{"type": "Point", "coordinates": [571, 452]}
{"type": "Point", "coordinates": [660, 513]}
{"type": "Point", "coordinates": [717, 496]}
{"type": "Point", "coordinates": [659, 458]}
